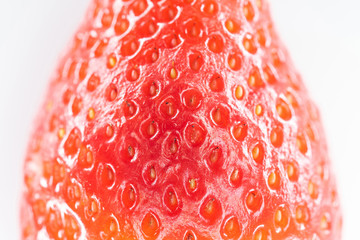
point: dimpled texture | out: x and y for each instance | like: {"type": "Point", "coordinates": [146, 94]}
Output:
{"type": "Point", "coordinates": [178, 120]}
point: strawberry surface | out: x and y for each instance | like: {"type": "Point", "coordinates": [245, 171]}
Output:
{"type": "Point", "coordinates": [178, 120]}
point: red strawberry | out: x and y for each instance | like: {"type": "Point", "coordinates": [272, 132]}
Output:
{"type": "Point", "coordinates": [178, 120]}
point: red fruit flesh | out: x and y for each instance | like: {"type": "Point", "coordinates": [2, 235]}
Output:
{"type": "Point", "coordinates": [178, 120]}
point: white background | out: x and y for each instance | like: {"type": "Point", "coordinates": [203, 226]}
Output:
{"type": "Point", "coordinates": [323, 38]}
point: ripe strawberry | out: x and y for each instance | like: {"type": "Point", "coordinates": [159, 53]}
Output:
{"type": "Point", "coordinates": [178, 120]}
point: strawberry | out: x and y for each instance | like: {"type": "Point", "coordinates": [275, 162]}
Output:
{"type": "Point", "coordinates": [178, 120]}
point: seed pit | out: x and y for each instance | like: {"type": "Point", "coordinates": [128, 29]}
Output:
{"type": "Point", "coordinates": [106, 175]}
{"type": "Point", "coordinates": [195, 134]}
{"type": "Point", "coordinates": [172, 40]}
{"type": "Point", "coordinates": [283, 110]}
{"type": "Point", "coordinates": [129, 196]}
{"type": "Point", "coordinates": [234, 61]}
{"type": "Point", "coordinates": [216, 83]}
{"type": "Point", "coordinates": [151, 89]}
{"type": "Point", "coordinates": [151, 55]}
{"type": "Point", "coordinates": [215, 158]}
{"type": "Point", "coordinates": [189, 235]}
{"type": "Point", "coordinates": [133, 74]}
{"type": "Point", "coordinates": [313, 190]}
{"type": "Point", "coordinates": [249, 11]}
{"type": "Point", "coordinates": [258, 153]}
{"type": "Point", "coordinates": [193, 29]}
{"type": "Point", "coordinates": [232, 26]}
{"type": "Point", "coordinates": [149, 128]}
{"type": "Point", "coordinates": [130, 109]}
{"type": "Point", "coordinates": [192, 98]}
{"type": "Point", "coordinates": [73, 142]}
{"type": "Point", "coordinates": [239, 131]}
{"type": "Point", "coordinates": [93, 83]}
{"type": "Point", "coordinates": [77, 106]}
{"type": "Point", "coordinates": [121, 25]}
{"type": "Point", "coordinates": [129, 46]}
{"type": "Point", "coordinates": [249, 44]}
{"type": "Point", "coordinates": [168, 13]}
{"type": "Point", "coordinates": [274, 180]}
{"type": "Point", "coordinates": [281, 218]}
{"type": "Point", "coordinates": [261, 37]}
{"type": "Point", "coordinates": [196, 61]}
{"type": "Point", "coordinates": [255, 80]}
{"type": "Point", "coordinates": [231, 228]}
{"type": "Point", "coordinates": [171, 200]}
{"type": "Point", "coordinates": [210, 209]}
{"type": "Point", "coordinates": [111, 92]}
{"type": "Point", "coordinates": [301, 214]}
{"type": "Point", "coordinates": [269, 75]}
{"type": "Point", "coordinates": [276, 137]}
{"type": "Point", "coordinates": [260, 234]}
{"type": "Point", "coordinates": [100, 49]}
{"type": "Point", "coordinates": [325, 223]}
{"type": "Point", "coordinates": [169, 108]}
{"type": "Point", "coordinates": [209, 7]}
{"type": "Point", "coordinates": [236, 177]}
{"type": "Point", "coordinates": [254, 200]}
{"type": "Point", "coordinates": [85, 158]}
{"type": "Point", "coordinates": [139, 6]}
{"type": "Point", "coordinates": [220, 116]}
{"type": "Point", "coordinates": [150, 226]}
{"type": "Point", "coordinates": [301, 143]}
{"type": "Point", "coordinates": [215, 43]}
{"type": "Point", "coordinates": [107, 18]}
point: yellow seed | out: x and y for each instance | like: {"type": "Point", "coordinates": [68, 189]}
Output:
{"type": "Point", "coordinates": [209, 208]}
{"type": "Point", "coordinates": [109, 131]}
{"type": "Point", "coordinates": [235, 175]}
{"type": "Point", "coordinates": [290, 170]}
{"type": "Point", "coordinates": [229, 24]}
{"type": "Point", "coordinates": [152, 173]}
{"type": "Point", "coordinates": [278, 216]}
{"type": "Point", "coordinates": [258, 110]}
{"type": "Point", "coordinates": [173, 200]}
{"type": "Point", "coordinates": [173, 73]}
{"type": "Point", "coordinates": [256, 152]}
{"type": "Point", "coordinates": [111, 62]}
{"type": "Point", "coordinates": [258, 3]}
{"type": "Point", "coordinates": [49, 106]}
{"type": "Point", "coordinates": [91, 114]}
{"type": "Point", "coordinates": [312, 188]}
{"type": "Point", "coordinates": [239, 92]}
{"type": "Point", "coordinates": [324, 224]}
{"type": "Point", "coordinates": [272, 179]}
{"type": "Point", "coordinates": [247, 45]}
{"type": "Point", "coordinates": [61, 133]}
{"type": "Point", "coordinates": [192, 184]}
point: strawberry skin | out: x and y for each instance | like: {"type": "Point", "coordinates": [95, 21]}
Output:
{"type": "Point", "coordinates": [178, 120]}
